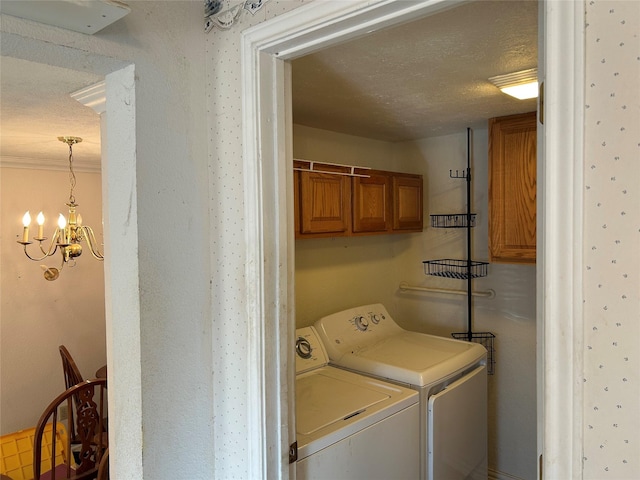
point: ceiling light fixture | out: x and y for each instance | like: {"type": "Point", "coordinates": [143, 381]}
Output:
{"type": "Point", "coordinates": [521, 85]}
{"type": "Point", "coordinates": [69, 233]}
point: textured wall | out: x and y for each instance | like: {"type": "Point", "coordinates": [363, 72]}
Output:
{"type": "Point", "coordinates": [612, 248]}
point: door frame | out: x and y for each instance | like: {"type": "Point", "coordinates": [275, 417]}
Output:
{"type": "Point", "coordinates": [267, 157]}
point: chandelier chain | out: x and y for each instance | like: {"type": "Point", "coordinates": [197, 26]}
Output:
{"type": "Point", "coordinates": [72, 176]}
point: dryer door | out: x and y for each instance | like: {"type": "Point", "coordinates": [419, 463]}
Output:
{"type": "Point", "coordinates": [458, 429]}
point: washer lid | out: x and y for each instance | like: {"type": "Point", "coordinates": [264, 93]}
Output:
{"type": "Point", "coordinates": [332, 404]}
{"type": "Point", "coordinates": [414, 358]}
{"type": "Point", "coordinates": [326, 400]}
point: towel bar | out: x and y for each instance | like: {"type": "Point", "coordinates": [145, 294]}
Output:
{"type": "Point", "coordinates": [404, 286]}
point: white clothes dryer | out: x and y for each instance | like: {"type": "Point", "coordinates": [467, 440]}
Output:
{"type": "Point", "coordinates": [351, 426]}
{"type": "Point", "coordinates": [450, 376]}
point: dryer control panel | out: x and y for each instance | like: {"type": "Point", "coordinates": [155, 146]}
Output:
{"type": "Point", "coordinates": [310, 352]}
{"type": "Point", "coordinates": [351, 330]}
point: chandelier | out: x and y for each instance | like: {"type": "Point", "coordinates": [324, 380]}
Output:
{"type": "Point", "coordinates": [69, 234]}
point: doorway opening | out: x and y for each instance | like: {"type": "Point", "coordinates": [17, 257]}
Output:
{"type": "Point", "coordinates": [400, 100]}
{"type": "Point", "coordinates": [267, 136]}
{"type": "Point", "coordinates": [119, 214]}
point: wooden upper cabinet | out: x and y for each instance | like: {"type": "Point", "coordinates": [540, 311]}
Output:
{"type": "Point", "coordinates": [371, 209]}
{"type": "Point", "coordinates": [407, 202]}
{"type": "Point", "coordinates": [330, 205]}
{"type": "Point", "coordinates": [512, 188]}
{"type": "Point", "coordinates": [325, 203]}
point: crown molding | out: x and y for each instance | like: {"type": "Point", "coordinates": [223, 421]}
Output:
{"type": "Point", "coordinates": [50, 164]}
{"type": "Point", "coordinates": [94, 96]}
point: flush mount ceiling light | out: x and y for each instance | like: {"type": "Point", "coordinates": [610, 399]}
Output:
{"type": "Point", "coordinates": [69, 235]}
{"type": "Point", "coordinates": [521, 85]}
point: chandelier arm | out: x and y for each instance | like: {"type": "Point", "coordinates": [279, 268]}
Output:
{"type": "Point", "coordinates": [91, 241]}
{"type": "Point", "coordinates": [54, 244]}
{"type": "Point", "coordinates": [53, 247]}
{"type": "Point", "coordinates": [64, 259]}
{"type": "Point", "coordinates": [46, 254]}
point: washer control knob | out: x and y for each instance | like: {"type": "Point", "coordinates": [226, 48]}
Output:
{"type": "Point", "coordinates": [303, 347]}
{"type": "Point", "coordinates": [361, 323]}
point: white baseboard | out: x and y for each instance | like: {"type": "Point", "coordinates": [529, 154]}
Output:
{"type": "Point", "coordinates": [497, 475]}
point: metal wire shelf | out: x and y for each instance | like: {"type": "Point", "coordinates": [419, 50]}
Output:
{"type": "Point", "coordinates": [453, 220]}
{"type": "Point", "coordinates": [452, 268]}
{"type": "Point", "coordinates": [486, 340]}
{"type": "Point", "coordinates": [463, 269]}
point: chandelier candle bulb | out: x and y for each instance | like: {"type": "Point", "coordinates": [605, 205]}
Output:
{"type": "Point", "coordinates": [26, 221]}
{"type": "Point", "coordinates": [40, 220]}
{"type": "Point", "coordinates": [62, 224]}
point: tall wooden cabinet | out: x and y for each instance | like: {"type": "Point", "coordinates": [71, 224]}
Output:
{"type": "Point", "coordinates": [512, 188]}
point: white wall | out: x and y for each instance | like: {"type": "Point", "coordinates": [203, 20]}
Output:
{"type": "Point", "coordinates": [337, 273]}
{"type": "Point", "coordinates": [36, 316]}
{"type": "Point", "coordinates": [510, 316]}
{"type": "Point", "coordinates": [612, 249]}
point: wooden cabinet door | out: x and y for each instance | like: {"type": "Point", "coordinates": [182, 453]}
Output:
{"type": "Point", "coordinates": [512, 189]}
{"type": "Point", "coordinates": [325, 203]}
{"type": "Point", "coordinates": [407, 203]}
{"type": "Point", "coordinates": [370, 203]}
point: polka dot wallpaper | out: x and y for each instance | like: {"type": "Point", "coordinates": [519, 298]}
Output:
{"type": "Point", "coordinates": [224, 105]}
{"type": "Point", "coordinates": [611, 252]}
{"type": "Point", "coordinates": [612, 248]}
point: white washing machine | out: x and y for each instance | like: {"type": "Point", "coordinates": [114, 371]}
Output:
{"type": "Point", "coordinates": [351, 426]}
{"type": "Point", "coordinates": [450, 376]}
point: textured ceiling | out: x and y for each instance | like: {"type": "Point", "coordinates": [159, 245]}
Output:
{"type": "Point", "coordinates": [421, 79]}
{"type": "Point", "coordinates": [37, 108]}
